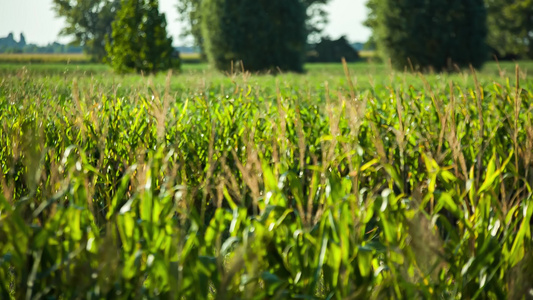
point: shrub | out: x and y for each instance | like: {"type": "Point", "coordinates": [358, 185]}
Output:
{"type": "Point", "coordinates": [140, 42]}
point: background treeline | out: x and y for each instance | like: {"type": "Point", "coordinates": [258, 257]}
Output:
{"type": "Point", "coordinates": [10, 45]}
{"type": "Point", "coordinates": [91, 25]}
{"type": "Point", "coordinates": [265, 36]}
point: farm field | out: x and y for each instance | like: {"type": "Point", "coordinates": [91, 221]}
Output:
{"type": "Point", "coordinates": [66, 58]}
{"type": "Point", "coordinates": [39, 58]}
{"type": "Point", "coordinates": [346, 182]}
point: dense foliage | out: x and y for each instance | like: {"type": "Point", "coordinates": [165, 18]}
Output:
{"type": "Point", "coordinates": [511, 27]}
{"type": "Point", "coordinates": [261, 35]}
{"type": "Point", "coordinates": [139, 41]}
{"type": "Point", "coordinates": [89, 22]}
{"type": "Point", "coordinates": [255, 187]}
{"type": "Point", "coordinates": [434, 35]}
{"type": "Point", "coordinates": [190, 14]}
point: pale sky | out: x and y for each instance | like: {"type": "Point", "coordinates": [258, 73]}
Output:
{"type": "Point", "coordinates": [39, 24]}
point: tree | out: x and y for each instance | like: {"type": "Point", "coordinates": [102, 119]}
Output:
{"type": "Point", "coordinates": [139, 39]}
{"type": "Point", "coordinates": [510, 27]}
{"type": "Point", "coordinates": [190, 14]}
{"type": "Point", "coordinates": [316, 18]}
{"type": "Point", "coordinates": [436, 34]}
{"type": "Point", "coordinates": [262, 34]}
{"type": "Point", "coordinates": [89, 22]}
{"type": "Point", "coordinates": [371, 19]}
{"type": "Point", "coordinates": [372, 23]}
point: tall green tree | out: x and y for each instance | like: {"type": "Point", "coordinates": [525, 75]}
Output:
{"type": "Point", "coordinates": [436, 34]}
{"type": "Point", "coordinates": [372, 23]}
{"type": "Point", "coordinates": [139, 40]}
{"type": "Point", "coordinates": [511, 27]}
{"type": "Point", "coordinates": [88, 22]}
{"type": "Point", "coordinates": [262, 34]}
{"type": "Point", "coordinates": [190, 14]}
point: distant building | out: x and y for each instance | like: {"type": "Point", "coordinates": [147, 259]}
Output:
{"type": "Point", "coordinates": [9, 41]}
{"type": "Point", "coordinates": [333, 51]}
{"type": "Point", "coordinates": [22, 40]}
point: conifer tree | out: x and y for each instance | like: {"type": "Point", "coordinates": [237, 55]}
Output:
{"type": "Point", "coordinates": [139, 41]}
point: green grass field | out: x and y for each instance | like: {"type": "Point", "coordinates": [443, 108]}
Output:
{"type": "Point", "coordinates": [354, 182]}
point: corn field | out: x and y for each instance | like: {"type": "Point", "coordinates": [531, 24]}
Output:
{"type": "Point", "coordinates": [262, 187]}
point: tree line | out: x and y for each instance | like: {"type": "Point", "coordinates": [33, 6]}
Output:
{"type": "Point", "coordinates": [273, 35]}
{"type": "Point", "coordinates": [9, 45]}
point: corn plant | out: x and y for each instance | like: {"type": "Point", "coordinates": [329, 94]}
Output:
{"type": "Point", "coordinates": [255, 187]}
